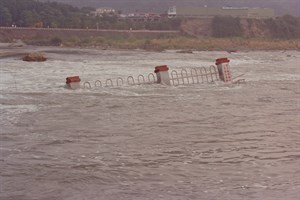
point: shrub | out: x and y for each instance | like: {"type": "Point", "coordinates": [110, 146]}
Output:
{"type": "Point", "coordinates": [56, 41]}
{"type": "Point", "coordinates": [284, 27]}
{"type": "Point", "coordinates": [226, 26]}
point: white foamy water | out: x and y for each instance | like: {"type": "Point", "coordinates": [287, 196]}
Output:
{"type": "Point", "coordinates": [202, 141]}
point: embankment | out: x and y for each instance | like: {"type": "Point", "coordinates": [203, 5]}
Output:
{"type": "Point", "coordinates": [194, 35]}
{"type": "Point", "coordinates": [9, 33]}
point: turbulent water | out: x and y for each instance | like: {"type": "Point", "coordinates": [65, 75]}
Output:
{"type": "Point", "coordinates": [201, 141]}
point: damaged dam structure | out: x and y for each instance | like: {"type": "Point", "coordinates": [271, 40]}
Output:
{"type": "Point", "coordinates": [175, 78]}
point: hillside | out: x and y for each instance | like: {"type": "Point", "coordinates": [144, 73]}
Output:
{"type": "Point", "coordinates": [281, 7]}
{"type": "Point", "coordinates": [285, 27]}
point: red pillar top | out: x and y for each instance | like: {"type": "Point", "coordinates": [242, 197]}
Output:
{"type": "Point", "coordinates": [72, 79]}
{"type": "Point", "coordinates": [222, 60]}
{"type": "Point", "coordinates": [161, 68]}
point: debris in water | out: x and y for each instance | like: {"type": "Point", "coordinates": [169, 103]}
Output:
{"type": "Point", "coordinates": [35, 57]}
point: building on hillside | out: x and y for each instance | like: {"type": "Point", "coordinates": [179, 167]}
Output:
{"type": "Point", "coordinates": [101, 11]}
{"type": "Point", "coordinates": [141, 17]}
{"type": "Point", "coordinates": [210, 12]}
{"type": "Point", "coordinates": [172, 12]}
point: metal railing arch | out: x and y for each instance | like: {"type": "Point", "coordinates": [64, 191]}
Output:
{"type": "Point", "coordinates": [194, 75]}
{"type": "Point", "coordinates": [85, 84]}
{"type": "Point", "coordinates": [132, 80]}
{"type": "Point", "coordinates": [203, 74]}
{"type": "Point", "coordinates": [190, 75]}
{"type": "Point", "coordinates": [214, 71]}
{"type": "Point", "coordinates": [153, 78]}
{"type": "Point", "coordinates": [120, 80]}
{"type": "Point", "coordinates": [139, 79]}
{"type": "Point", "coordinates": [184, 75]}
{"type": "Point", "coordinates": [98, 85]}
{"type": "Point", "coordinates": [174, 72]}
{"type": "Point", "coordinates": [107, 83]}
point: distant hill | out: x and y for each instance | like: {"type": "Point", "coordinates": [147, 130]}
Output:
{"type": "Point", "coordinates": [281, 7]}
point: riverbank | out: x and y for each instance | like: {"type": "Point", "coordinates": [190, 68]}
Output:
{"type": "Point", "coordinates": [211, 44]}
{"type": "Point", "coordinates": [142, 39]}
{"type": "Point", "coordinates": [182, 44]}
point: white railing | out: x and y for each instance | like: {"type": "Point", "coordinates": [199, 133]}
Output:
{"type": "Point", "coordinates": [195, 76]}
{"type": "Point", "coordinates": [118, 82]}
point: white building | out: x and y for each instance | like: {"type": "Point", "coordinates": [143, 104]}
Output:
{"type": "Point", "coordinates": [172, 12]}
{"type": "Point", "coordinates": [104, 10]}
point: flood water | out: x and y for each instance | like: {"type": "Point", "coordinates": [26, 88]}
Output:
{"type": "Point", "coordinates": [204, 141]}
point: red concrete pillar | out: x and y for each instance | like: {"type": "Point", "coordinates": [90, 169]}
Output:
{"type": "Point", "coordinates": [162, 74]}
{"type": "Point", "coordinates": [223, 69]}
{"type": "Point", "coordinates": [73, 82]}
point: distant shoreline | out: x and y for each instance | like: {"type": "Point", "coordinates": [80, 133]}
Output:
{"type": "Point", "coordinates": [187, 44]}
{"type": "Point", "coordinates": [178, 44]}
{"type": "Point", "coordinates": [140, 39]}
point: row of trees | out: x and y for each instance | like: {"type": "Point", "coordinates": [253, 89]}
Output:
{"type": "Point", "coordinates": [30, 13]}
{"type": "Point", "coordinates": [284, 27]}
{"type": "Point", "coordinates": [26, 13]}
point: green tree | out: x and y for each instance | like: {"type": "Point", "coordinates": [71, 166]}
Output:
{"type": "Point", "coordinates": [5, 17]}
{"type": "Point", "coordinates": [284, 27]}
{"type": "Point", "coordinates": [29, 18]}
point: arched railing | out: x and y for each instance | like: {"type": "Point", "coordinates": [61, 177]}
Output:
{"type": "Point", "coordinates": [85, 84]}
{"type": "Point", "coordinates": [153, 78]}
{"type": "Point", "coordinates": [193, 76]}
{"type": "Point", "coordinates": [139, 79]}
{"type": "Point", "coordinates": [120, 80]}
{"type": "Point", "coordinates": [109, 81]}
{"type": "Point", "coordinates": [132, 80]}
{"type": "Point", "coordinates": [214, 71]}
{"type": "Point", "coordinates": [98, 85]}
{"type": "Point", "coordinates": [203, 74]}
{"type": "Point", "coordinates": [174, 72]}
{"type": "Point", "coordinates": [184, 75]}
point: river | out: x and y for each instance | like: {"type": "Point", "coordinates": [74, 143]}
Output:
{"type": "Point", "coordinates": [210, 141]}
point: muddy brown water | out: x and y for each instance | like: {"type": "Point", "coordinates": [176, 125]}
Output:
{"type": "Point", "coordinates": [202, 141]}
